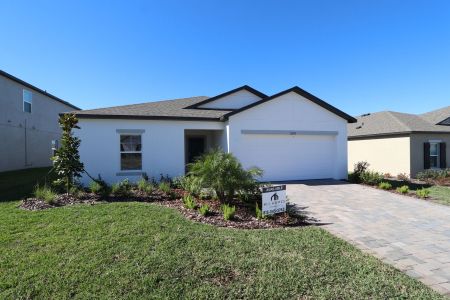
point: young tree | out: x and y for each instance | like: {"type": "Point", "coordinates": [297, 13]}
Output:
{"type": "Point", "coordinates": [66, 161]}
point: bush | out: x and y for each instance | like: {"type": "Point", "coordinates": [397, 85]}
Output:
{"type": "Point", "coordinates": [358, 169]}
{"type": "Point", "coordinates": [433, 174]}
{"type": "Point", "coordinates": [224, 174]}
{"type": "Point", "coordinates": [144, 186]}
{"type": "Point", "coordinates": [190, 184]}
{"type": "Point", "coordinates": [99, 187]}
{"type": "Point", "coordinates": [403, 177]}
{"type": "Point", "coordinates": [371, 178]}
{"type": "Point", "coordinates": [45, 193]}
{"type": "Point", "coordinates": [204, 210]}
{"type": "Point", "coordinates": [122, 189]}
{"type": "Point", "coordinates": [423, 193]}
{"type": "Point", "coordinates": [258, 212]}
{"type": "Point", "coordinates": [385, 185]}
{"type": "Point", "coordinates": [164, 186]}
{"type": "Point", "coordinates": [189, 202]}
{"type": "Point", "coordinates": [404, 189]}
{"type": "Point", "coordinates": [228, 211]}
{"type": "Point", "coordinates": [76, 191]}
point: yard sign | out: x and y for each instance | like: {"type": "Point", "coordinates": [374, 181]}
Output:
{"type": "Point", "coordinates": [273, 199]}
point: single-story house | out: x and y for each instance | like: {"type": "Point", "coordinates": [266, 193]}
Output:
{"type": "Point", "coordinates": [291, 135]}
{"type": "Point", "coordinates": [29, 128]}
{"type": "Point", "coordinates": [400, 143]}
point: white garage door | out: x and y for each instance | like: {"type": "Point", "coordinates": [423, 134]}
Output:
{"type": "Point", "coordinates": [290, 157]}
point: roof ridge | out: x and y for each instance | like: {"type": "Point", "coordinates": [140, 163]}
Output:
{"type": "Point", "coordinates": [391, 113]}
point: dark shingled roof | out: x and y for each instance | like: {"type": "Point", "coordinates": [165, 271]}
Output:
{"type": "Point", "coordinates": [391, 122]}
{"type": "Point", "coordinates": [187, 108]}
{"type": "Point", "coordinates": [166, 109]}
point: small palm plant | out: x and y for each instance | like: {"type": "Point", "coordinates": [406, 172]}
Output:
{"type": "Point", "coordinates": [223, 173]}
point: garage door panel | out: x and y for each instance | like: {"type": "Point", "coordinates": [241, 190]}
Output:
{"type": "Point", "coordinates": [285, 157]}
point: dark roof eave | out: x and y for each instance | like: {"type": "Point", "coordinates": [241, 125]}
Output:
{"type": "Point", "coordinates": [302, 93]}
{"type": "Point", "coordinates": [30, 86]}
{"type": "Point", "coordinates": [134, 117]}
{"type": "Point", "coordinates": [388, 134]}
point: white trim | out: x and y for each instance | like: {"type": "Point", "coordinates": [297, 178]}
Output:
{"type": "Point", "coordinates": [289, 132]}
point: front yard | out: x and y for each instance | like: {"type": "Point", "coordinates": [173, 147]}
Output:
{"type": "Point", "coordinates": [440, 194]}
{"type": "Point", "coordinates": [142, 250]}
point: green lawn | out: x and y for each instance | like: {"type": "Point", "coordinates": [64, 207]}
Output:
{"type": "Point", "coordinates": [138, 250]}
{"type": "Point", "coordinates": [441, 194]}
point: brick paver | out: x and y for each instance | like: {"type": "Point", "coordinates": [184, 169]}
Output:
{"type": "Point", "coordinates": [411, 234]}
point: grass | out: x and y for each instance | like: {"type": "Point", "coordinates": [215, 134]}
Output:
{"type": "Point", "coordinates": [441, 194]}
{"type": "Point", "coordinates": [134, 250]}
{"type": "Point", "coordinates": [16, 185]}
{"type": "Point", "coordinates": [138, 250]}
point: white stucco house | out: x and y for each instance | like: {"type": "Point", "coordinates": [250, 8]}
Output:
{"type": "Point", "coordinates": [291, 135]}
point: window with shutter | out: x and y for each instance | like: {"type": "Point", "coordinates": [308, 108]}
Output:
{"type": "Point", "coordinates": [443, 155]}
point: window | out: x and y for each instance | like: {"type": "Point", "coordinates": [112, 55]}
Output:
{"type": "Point", "coordinates": [434, 155]}
{"type": "Point", "coordinates": [27, 101]}
{"type": "Point", "coordinates": [130, 152]}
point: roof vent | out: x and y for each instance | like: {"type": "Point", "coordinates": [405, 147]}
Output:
{"type": "Point", "coordinates": [365, 115]}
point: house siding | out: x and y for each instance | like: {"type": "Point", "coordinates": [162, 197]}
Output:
{"type": "Point", "coordinates": [386, 155]}
{"type": "Point", "coordinates": [303, 156]}
{"type": "Point", "coordinates": [163, 146]}
{"type": "Point", "coordinates": [417, 140]}
{"type": "Point", "coordinates": [26, 138]}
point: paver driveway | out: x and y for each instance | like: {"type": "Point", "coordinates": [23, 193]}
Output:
{"type": "Point", "coordinates": [411, 234]}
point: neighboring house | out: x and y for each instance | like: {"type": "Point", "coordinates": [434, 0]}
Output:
{"type": "Point", "coordinates": [29, 126]}
{"type": "Point", "coordinates": [395, 143]}
{"type": "Point", "coordinates": [291, 135]}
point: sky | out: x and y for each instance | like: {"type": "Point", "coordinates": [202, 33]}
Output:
{"type": "Point", "coordinates": [360, 56]}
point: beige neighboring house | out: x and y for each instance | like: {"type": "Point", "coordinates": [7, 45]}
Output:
{"type": "Point", "coordinates": [395, 143]}
{"type": "Point", "coordinates": [29, 128]}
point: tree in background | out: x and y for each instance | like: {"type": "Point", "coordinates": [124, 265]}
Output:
{"type": "Point", "coordinates": [66, 161]}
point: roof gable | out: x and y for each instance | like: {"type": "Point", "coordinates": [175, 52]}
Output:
{"type": "Point", "coordinates": [222, 102]}
{"type": "Point", "coordinates": [302, 93]}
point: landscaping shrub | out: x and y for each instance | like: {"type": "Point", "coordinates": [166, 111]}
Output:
{"type": "Point", "coordinates": [403, 177]}
{"type": "Point", "coordinates": [423, 193]}
{"type": "Point", "coordinates": [258, 212]}
{"type": "Point", "coordinates": [358, 169]}
{"type": "Point", "coordinates": [385, 185]}
{"type": "Point", "coordinates": [404, 189]}
{"type": "Point", "coordinates": [204, 210]}
{"type": "Point", "coordinates": [206, 194]}
{"type": "Point", "coordinates": [387, 175]}
{"type": "Point", "coordinates": [439, 177]}
{"type": "Point", "coordinates": [45, 193]}
{"type": "Point", "coordinates": [371, 178]}
{"type": "Point", "coordinates": [224, 174]}
{"type": "Point", "coordinates": [144, 186]}
{"type": "Point", "coordinates": [228, 211]}
{"type": "Point", "coordinates": [76, 191]}
{"type": "Point", "coordinates": [164, 186]}
{"type": "Point", "coordinates": [189, 202]}
{"type": "Point", "coordinates": [100, 188]}
{"type": "Point", "coordinates": [121, 189]}
{"type": "Point", "coordinates": [190, 184]}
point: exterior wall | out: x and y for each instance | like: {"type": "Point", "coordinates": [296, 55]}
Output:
{"type": "Point", "coordinates": [40, 127]}
{"type": "Point", "coordinates": [291, 112]}
{"type": "Point", "coordinates": [163, 148]}
{"type": "Point", "coordinates": [386, 155]}
{"type": "Point", "coordinates": [417, 140]}
{"type": "Point", "coordinates": [235, 100]}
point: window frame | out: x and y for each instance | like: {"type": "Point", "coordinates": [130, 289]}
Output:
{"type": "Point", "coordinates": [129, 152]}
{"type": "Point", "coordinates": [437, 155]}
{"type": "Point", "coordinates": [25, 91]}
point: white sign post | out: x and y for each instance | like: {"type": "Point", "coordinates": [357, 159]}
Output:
{"type": "Point", "coordinates": [273, 199]}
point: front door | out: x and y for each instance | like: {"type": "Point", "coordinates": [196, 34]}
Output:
{"type": "Point", "coordinates": [195, 148]}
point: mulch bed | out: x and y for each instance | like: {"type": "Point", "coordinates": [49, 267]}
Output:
{"type": "Point", "coordinates": [244, 217]}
